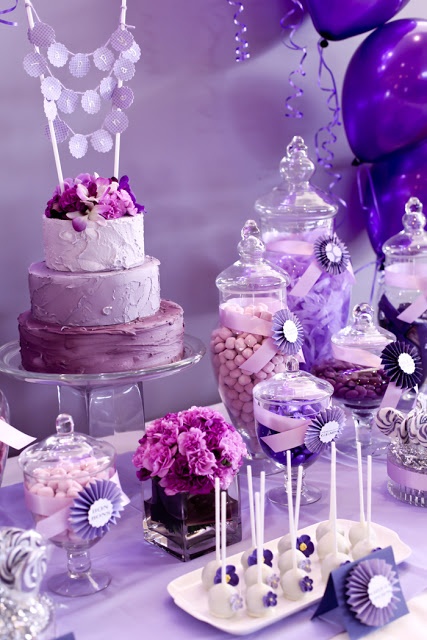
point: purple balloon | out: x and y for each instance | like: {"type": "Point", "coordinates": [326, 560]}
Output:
{"type": "Point", "coordinates": [384, 98]}
{"type": "Point", "coordinates": [340, 19]}
{"type": "Point", "coordinates": [392, 182]}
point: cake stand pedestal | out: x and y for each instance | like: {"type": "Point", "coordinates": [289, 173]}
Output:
{"type": "Point", "coordinates": [106, 402]}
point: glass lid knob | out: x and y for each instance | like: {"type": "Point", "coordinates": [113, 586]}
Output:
{"type": "Point", "coordinates": [296, 166]}
{"type": "Point", "coordinates": [291, 364]}
{"type": "Point", "coordinates": [251, 248]}
{"type": "Point", "coordinates": [364, 314]}
{"type": "Point", "coordinates": [414, 220]}
{"type": "Point", "coordinates": [64, 424]}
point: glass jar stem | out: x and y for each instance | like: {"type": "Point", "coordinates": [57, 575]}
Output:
{"type": "Point", "coordinates": [78, 563]}
{"type": "Point", "coordinates": [363, 421]}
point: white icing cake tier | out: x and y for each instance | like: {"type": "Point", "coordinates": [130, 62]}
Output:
{"type": "Point", "coordinates": [119, 244]}
{"type": "Point", "coordinates": [94, 299]}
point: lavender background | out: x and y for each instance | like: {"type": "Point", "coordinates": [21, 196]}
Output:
{"type": "Point", "coordinates": [205, 139]}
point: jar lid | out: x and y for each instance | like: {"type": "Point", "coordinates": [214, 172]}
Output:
{"type": "Point", "coordinates": [412, 241]}
{"type": "Point", "coordinates": [362, 332]}
{"type": "Point", "coordinates": [67, 446]}
{"type": "Point", "coordinates": [251, 273]}
{"type": "Point", "coordinates": [292, 384]}
{"type": "Point", "coordinates": [295, 195]}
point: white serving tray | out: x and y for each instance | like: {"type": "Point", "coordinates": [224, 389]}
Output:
{"type": "Point", "coordinates": [189, 594]}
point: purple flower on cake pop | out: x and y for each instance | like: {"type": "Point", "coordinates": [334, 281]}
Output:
{"type": "Point", "coordinates": [305, 545]}
{"type": "Point", "coordinates": [236, 602]}
{"type": "Point", "coordinates": [373, 592]}
{"type": "Point", "coordinates": [305, 565]}
{"type": "Point", "coordinates": [96, 508]}
{"type": "Point", "coordinates": [331, 254]}
{"type": "Point", "coordinates": [402, 364]}
{"type": "Point", "coordinates": [231, 576]}
{"type": "Point", "coordinates": [273, 581]}
{"type": "Point", "coordinates": [270, 599]}
{"type": "Point", "coordinates": [324, 428]}
{"type": "Point", "coordinates": [268, 558]}
{"type": "Point", "coordinates": [287, 332]}
{"type": "Point", "coordinates": [306, 584]}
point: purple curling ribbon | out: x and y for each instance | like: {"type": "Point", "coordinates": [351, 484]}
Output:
{"type": "Point", "coordinates": [9, 22]}
{"type": "Point", "coordinates": [242, 45]}
{"type": "Point", "coordinates": [325, 136]}
{"type": "Point", "coordinates": [292, 21]}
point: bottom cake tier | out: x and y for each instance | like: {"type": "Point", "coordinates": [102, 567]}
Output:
{"type": "Point", "coordinates": [142, 344]}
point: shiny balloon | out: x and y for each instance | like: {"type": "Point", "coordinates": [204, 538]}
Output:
{"type": "Point", "coordinates": [340, 19]}
{"type": "Point", "coordinates": [392, 182]}
{"type": "Point", "coordinates": [384, 98]}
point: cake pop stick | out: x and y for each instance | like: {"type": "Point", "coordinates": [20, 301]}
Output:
{"type": "Point", "coordinates": [119, 84]}
{"type": "Point", "coordinates": [358, 530]}
{"type": "Point", "coordinates": [367, 544]}
{"type": "Point", "coordinates": [298, 498]}
{"type": "Point", "coordinates": [262, 499]}
{"type": "Point", "coordinates": [260, 554]}
{"type": "Point", "coordinates": [369, 496]}
{"type": "Point", "coordinates": [223, 535]}
{"type": "Point", "coordinates": [293, 578]}
{"type": "Point", "coordinates": [251, 506]}
{"type": "Point", "coordinates": [210, 569]}
{"type": "Point", "coordinates": [54, 143]}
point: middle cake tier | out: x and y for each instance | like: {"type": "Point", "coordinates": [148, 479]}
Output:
{"type": "Point", "coordinates": [94, 299]}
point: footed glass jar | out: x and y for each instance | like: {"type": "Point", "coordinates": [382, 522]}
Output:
{"type": "Point", "coordinates": [71, 488]}
{"type": "Point", "coordinates": [4, 449]}
{"type": "Point", "coordinates": [295, 218]}
{"type": "Point", "coordinates": [358, 378]}
{"type": "Point", "coordinates": [284, 406]}
{"type": "Point", "coordinates": [402, 293]}
{"type": "Point", "coordinates": [251, 292]}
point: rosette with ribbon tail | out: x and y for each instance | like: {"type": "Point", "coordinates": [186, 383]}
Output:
{"type": "Point", "coordinates": [403, 367]}
{"type": "Point", "coordinates": [373, 592]}
{"type": "Point", "coordinates": [331, 256]}
{"type": "Point", "coordinates": [325, 428]}
{"type": "Point", "coordinates": [96, 509]}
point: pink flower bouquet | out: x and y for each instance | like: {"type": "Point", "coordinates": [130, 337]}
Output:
{"type": "Point", "coordinates": [186, 451]}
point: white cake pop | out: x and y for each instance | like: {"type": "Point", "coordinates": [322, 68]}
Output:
{"type": "Point", "coordinates": [210, 569]}
{"type": "Point", "coordinates": [364, 548]}
{"type": "Point", "coordinates": [285, 542]}
{"type": "Point", "coordinates": [291, 584]}
{"type": "Point", "coordinates": [359, 531]}
{"type": "Point", "coordinates": [285, 561]}
{"type": "Point", "coordinates": [326, 527]}
{"type": "Point", "coordinates": [260, 599]}
{"type": "Point", "coordinates": [223, 598]}
{"type": "Point", "coordinates": [268, 575]}
{"type": "Point", "coordinates": [331, 562]}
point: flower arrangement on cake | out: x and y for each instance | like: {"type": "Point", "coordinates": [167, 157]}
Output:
{"type": "Point", "coordinates": [90, 197]}
{"type": "Point", "coordinates": [186, 451]}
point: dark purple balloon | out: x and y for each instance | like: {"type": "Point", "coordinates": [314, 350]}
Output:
{"type": "Point", "coordinates": [384, 99]}
{"type": "Point", "coordinates": [394, 180]}
{"type": "Point", "coordinates": [340, 19]}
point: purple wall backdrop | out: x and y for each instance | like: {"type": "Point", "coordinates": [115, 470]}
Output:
{"type": "Point", "coordinates": [205, 139]}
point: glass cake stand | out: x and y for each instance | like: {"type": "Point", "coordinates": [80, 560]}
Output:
{"type": "Point", "coordinates": [110, 402]}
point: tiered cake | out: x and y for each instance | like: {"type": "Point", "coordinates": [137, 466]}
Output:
{"type": "Point", "coordinates": [95, 300]}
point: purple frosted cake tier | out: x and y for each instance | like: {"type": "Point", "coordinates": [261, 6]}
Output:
{"type": "Point", "coordinates": [142, 344]}
{"type": "Point", "coordinates": [94, 299]}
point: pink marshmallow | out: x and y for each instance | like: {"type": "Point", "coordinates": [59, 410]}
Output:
{"type": "Point", "coordinates": [239, 360]}
{"type": "Point", "coordinates": [229, 343]}
{"type": "Point", "coordinates": [220, 346]}
{"type": "Point", "coordinates": [240, 344]}
{"type": "Point", "coordinates": [231, 364]}
{"type": "Point", "coordinates": [250, 340]}
{"type": "Point", "coordinates": [244, 379]}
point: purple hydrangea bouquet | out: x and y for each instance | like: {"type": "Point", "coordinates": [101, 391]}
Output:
{"type": "Point", "coordinates": [182, 454]}
{"type": "Point", "coordinates": [90, 197]}
{"type": "Point", "coordinates": [186, 451]}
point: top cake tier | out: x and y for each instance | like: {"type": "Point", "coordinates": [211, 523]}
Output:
{"type": "Point", "coordinates": [116, 244]}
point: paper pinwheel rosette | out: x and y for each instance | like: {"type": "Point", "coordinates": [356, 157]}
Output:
{"type": "Point", "coordinates": [72, 489]}
{"type": "Point", "coordinates": [407, 452]}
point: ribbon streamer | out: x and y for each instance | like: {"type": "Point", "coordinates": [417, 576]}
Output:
{"type": "Point", "coordinates": [11, 23]}
{"type": "Point", "coordinates": [325, 155]}
{"type": "Point", "coordinates": [292, 21]}
{"type": "Point", "coordinates": [242, 46]}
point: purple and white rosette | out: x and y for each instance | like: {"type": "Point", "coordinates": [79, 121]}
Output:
{"type": "Point", "coordinates": [325, 428]}
{"type": "Point", "coordinates": [403, 366]}
{"type": "Point", "coordinates": [96, 509]}
{"type": "Point", "coordinates": [287, 332]}
{"type": "Point", "coordinates": [373, 592]}
{"type": "Point", "coordinates": [331, 254]}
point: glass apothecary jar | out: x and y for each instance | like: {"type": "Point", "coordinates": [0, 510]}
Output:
{"type": "Point", "coordinates": [402, 293]}
{"type": "Point", "coordinates": [4, 449]}
{"type": "Point", "coordinates": [358, 378]}
{"type": "Point", "coordinates": [72, 489]}
{"type": "Point", "coordinates": [284, 408]}
{"type": "Point", "coordinates": [251, 292]}
{"type": "Point", "coordinates": [297, 221]}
